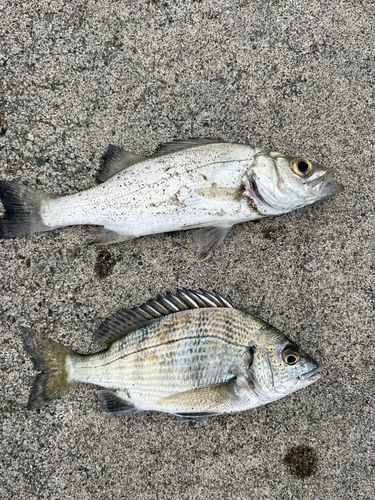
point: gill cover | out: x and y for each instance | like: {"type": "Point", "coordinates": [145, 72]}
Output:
{"type": "Point", "coordinates": [279, 183]}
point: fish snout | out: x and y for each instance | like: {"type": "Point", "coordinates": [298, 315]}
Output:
{"type": "Point", "coordinates": [311, 375]}
{"type": "Point", "coordinates": [323, 186]}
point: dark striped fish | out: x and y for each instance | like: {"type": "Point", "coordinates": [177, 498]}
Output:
{"type": "Point", "coordinates": [191, 354]}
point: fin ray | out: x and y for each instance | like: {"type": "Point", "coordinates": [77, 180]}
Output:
{"type": "Point", "coordinates": [180, 145]}
{"type": "Point", "coordinates": [117, 159]}
{"type": "Point", "coordinates": [22, 210]}
{"type": "Point", "coordinates": [113, 404]}
{"type": "Point", "coordinates": [208, 239]}
{"type": "Point", "coordinates": [108, 237]}
{"type": "Point", "coordinates": [188, 417]}
{"type": "Point", "coordinates": [204, 398]}
{"type": "Point", "coordinates": [126, 321]}
{"type": "Point", "coordinates": [49, 358]}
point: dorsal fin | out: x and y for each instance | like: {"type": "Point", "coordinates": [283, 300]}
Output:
{"type": "Point", "coordinates": [127, 320]}
{"type": "Point", "coordinates": [115, 160]}
{"type": "Point", "coordinates": [181, 144]}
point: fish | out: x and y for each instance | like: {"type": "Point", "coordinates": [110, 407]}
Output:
{"type": "Point", "coordinates": [186, 184]}
{"type": "Point", "coordinates": [190, 354]}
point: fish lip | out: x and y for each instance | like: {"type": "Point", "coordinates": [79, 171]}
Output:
{"type": "Point", "coordinates": [328, 188]}
{"type": "Point", "coordinates": [312, 375]}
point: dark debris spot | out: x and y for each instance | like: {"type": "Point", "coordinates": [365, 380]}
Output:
{"type": "Point", "coordinates": [39, 162]}
{"type": "Point", "coordinates": [102, 162]}
{"type": "Point", "coordinates": [301, 461]}
{"type": "Point", "coordinates": [3, 125]}
{"type": "Point", "coordinates": [268, 233]}
{"type": "Point", "coordinates": [27, 262]}
{"type": "Point", "coordinates": [104, 264]}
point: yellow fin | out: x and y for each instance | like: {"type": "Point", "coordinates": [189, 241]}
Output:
{"type": "Point", "coordinates": [203, 399]}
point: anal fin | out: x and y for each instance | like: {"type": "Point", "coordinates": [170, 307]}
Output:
{"type": "Point", "coordinates": [218, 193]}
{"type": "Point", "coordinates": [113, 404]}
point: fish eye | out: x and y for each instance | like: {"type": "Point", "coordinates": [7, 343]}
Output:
{"type": "Point", "coordinates": [301, 166]}
{"type": "Point", "coordinates": [290, 355]}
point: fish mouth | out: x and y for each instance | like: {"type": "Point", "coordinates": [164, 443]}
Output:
{"type": "Point", "coordinates": [311, 376]}
{"type": "Point", "coordinates": [330, 189]}
{"type": "Point", "coordinates": [324, 186]}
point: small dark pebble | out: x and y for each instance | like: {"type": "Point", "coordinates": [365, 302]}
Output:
{"type": "Point", "coordinates": [39, 162]}
{"type": "Point", "coordinates": [268, 233]}
{"type": "Point", "coordinates": [3, 125]}
{"type": "Point", "coordinates": [104, 264]}
{"type": "Point", "coordinates": [301, 461]}
{"type": "Point", "coordinates": [27, 262]}
{"type": "Point", "coordinates": [102, 162]}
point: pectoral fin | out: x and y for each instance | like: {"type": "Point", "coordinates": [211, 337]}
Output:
{"type": "Point", "coordinates": [203, 399]}
{"type": "Point", "coordinates": [187, 417]}
{"type": "Point", "coordinates": [221, 193]}
{"type": "Point", "coordinates": [208, 239]}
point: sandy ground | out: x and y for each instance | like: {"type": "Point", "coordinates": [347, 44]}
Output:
{"type": "Point", "coordinates": [296, 76]}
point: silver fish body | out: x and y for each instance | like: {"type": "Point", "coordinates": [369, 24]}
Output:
{"type": "Point", "coordinates": [187, 184]}
{"type": "Point", "coordinates": [208, 360]}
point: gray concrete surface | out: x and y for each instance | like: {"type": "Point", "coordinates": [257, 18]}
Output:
{"type": "Point", "coordinates": [297, 76]}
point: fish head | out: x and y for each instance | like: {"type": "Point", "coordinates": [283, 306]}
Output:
{"type": "Point", "coordinates": [279, 367]}
{"type": "Point", "coordinates": [279, 183]}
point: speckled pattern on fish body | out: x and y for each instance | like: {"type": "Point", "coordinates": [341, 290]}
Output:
{"type": "Point", "coordinates": [187, 184]}
{"type": "Point", "coordinates": [196, 356]}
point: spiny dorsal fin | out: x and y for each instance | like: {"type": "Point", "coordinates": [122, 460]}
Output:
{"type": "Point", "coordinates": [127, 320]}
{"type": "Point", "coordinates": [181, 144]}
{"type": "Point", "coordinates": [117, 159]}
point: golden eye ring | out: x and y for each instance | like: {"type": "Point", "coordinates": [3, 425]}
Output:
{"type": "Point", "coordinates": [301, 166]}
{"type": "Point", "coordinates": [290, 356]}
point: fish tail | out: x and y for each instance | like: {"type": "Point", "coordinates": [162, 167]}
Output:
{"type": "Point", "coordinates": [50, 359]}
{"type": "Point", "coordinates": [22, 210]}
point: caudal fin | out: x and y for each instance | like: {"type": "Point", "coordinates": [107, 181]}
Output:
{"type": "Point", "coordinates": [49, 358]}
{"type": "Point", "coordinates": [22, 210]}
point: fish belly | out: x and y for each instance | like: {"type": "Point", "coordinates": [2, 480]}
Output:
{"type": "Point", "coordinates": [193, 188]}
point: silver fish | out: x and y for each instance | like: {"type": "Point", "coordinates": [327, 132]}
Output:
{"type": "Point", "coordinates": [192, 354]}
{"type": "Point", "coordinates": [198, 183]}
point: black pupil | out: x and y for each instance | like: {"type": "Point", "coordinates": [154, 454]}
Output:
{"type": "Point", "coordinates": [302, 166]}
{"type": "Point", "coordinates": [291, 359]}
